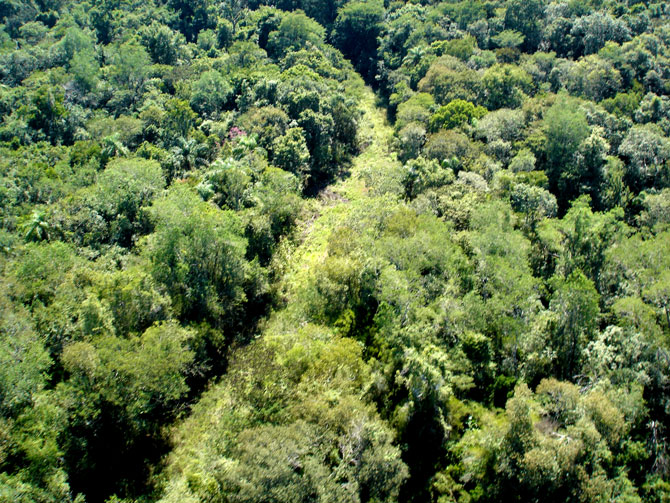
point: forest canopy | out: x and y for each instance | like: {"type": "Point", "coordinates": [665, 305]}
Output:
{"type": "Point", "coordinates": [334, 251]}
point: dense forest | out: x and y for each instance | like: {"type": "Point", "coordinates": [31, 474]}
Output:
{"type": "Point", "coordinates": [325, 251]}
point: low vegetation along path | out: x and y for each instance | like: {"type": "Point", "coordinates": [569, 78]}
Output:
{"type": "Point", "coordinates": [377, 157]}
{"type": "Point", "coordinates": [329, 395]}
{"type": "Point", "coordinates": [371, 173]}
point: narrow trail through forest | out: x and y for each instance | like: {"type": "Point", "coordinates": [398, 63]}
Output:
{"type": "Point", "coordinates": [373, 172]}
{"type": "Point", "coordinates": [376, 157]}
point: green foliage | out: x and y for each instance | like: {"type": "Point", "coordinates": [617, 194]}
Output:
{"type": "Point", "coordinates": [46, 114]}
{"type": "Point", "coordinates": [194, 16]}
{"type": "Point", "coordinates": [505, 86]}
{"type": "Point", "coordinates": [525, 17]}
{"type": "Point", "coordinates": [535, 202]}
{"type": "Point", "coordinates": [417, 108]}
{"type": "Point", "coordinates": [319, 446]}
{"type": "Point", "coordinates": [647, 151]}
{"type": "Point", "coordinates": [355, 32]}
{"type": "Point", "coordinates": [566, 129]}
{"type": "Point", "coordinates": [296, 31]}
{"type": "Point", "coordinates": [542, 456]}
{"type": "Point", "coordinates": [111, 211]}
{"type": "Point", "coordinates": [592, 32]}
{"type": "Point", "coordinates": [456, 113]}
{"type": "Point", "coordinates": [575, 301]}
{"type": "Point", "coordinates": [180, 118]}
{"type": "Point", "coordinates": [581, 239]}
{"type": "Point", "coordinates": [130, 66]}
{"type": "Point", "coordinates": [448, 79]}
{"type": "Point", "coordinates": [229, 274]}
{"type": "Point", "coordinates": [290, 152]}
{"type": "Point", "coordinates": [23, 363]}
{"type": "Point", "coordinates": [163, 44]}
{"type": "Point", "coordinates": [509, 39]}
{"type": "Point", "coordinates": [197, 254]}
{"type": "Point", "coordinates": [424, 174]}
{"type": "Point", "coordinates": [144, 375]}
{"type": "Point", "coordinates": [211, 92]}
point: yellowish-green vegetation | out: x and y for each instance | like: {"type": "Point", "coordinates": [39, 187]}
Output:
{"type": "Point", "coordinates": [374, 172]}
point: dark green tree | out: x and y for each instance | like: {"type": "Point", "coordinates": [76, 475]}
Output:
{"type": "Point", "coordinates": [197, 253]}
{"type": "Point", "coordinates": [355, 33]}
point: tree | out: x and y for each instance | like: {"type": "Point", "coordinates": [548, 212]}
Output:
{"type": "Point", "coordinates": [227, 183]}
{"type": "Point", "coordinates": [594, 78]}
{"type": "Point", "coordinates": [646, 149]}
{"type": "Point", "coordinates": [211, 92]}
{"type": "Point", "coordinates": [575, 302]}
{"type": "Point", "coordinates": [131, 66]}
{"type": "Point", "coordinates": [643, 264]}
{"type": "Point", "coordinates": [587, 172]}
{"type": "Point", "coordinates": [112, 146]}
{"type": "Point", "coordinates": [144, 375]}
{"type": "Point", "coordinates": [133, 299]}
{"type": "Point", "coordinates": [265, 123]}
{"type": "Point", "coordinates": [289, 152]}
{"type": "Point", "coordinates": [456, 113]}
{"type": "Point", "coordinates": [85, 68]}
{"type": "Point", "coordinates": [508, 39]}
{"type": "Point", "coordinates": [233, 11]}
{"type": "Point", "coordinates": [658, 294]}
{"type": "Point", "coordinates": [355, 33]}
{"type": "Point", "coordinates": [616, 192]}
{"type": "Point", "coordinates": [505, 86]}
{"type": "Point", "coordinates": [110, 212]}
{"type": "Point", "coordinates": [75, 41]}
{"type": "Point", "coordinates": [566, 128]}
{"type": "Point", "coordinates": [526, 18]}
{"type": "Point", "coordinates": [36, 228]}
{"type": "Point", "coordinates": [585, 237]}
{"type": "Point", "coordinates": [541, 445]}
{"type": "Point", "coordinates": [504, 124]}
{"type": "Point", "coordinates": [448, 79]}
{"type": "Point", "coordinates": [23, 362]}
{"type": "Point", "coordinates": [410, 140]}
{"type": "Point", "coordinates": [275, 461]}
{"type": "Point", "coordinates": [79, 52]}
{"type": "Point", "coordinates": [39, 271]}
{"type": "Point", "coordinates": [197, 254]}
{"type": "Point", "coordinates": [164, 45]}
{"type": "Point", "coordinates": [119, 392]}
{"type": "Point", "coordinates": [45, 113]}
{"type": "Point", "coordinates": [422, 174]}
{"type": "Point", "coordinates": [296, 445]}
{"type": "Point", "coordinates": [276, 205]}
{"type": "Point", "coordinates": [449, 145]}
{"type": "Point", "coordinates": [296, 31]}
{"type": "Point", "coordinates": [591, 33]}
{"type": "Point", "coordinates": [178, 120]}
{"type": "Point", "coordinates": [653, 108]}
{"type": "Point", "coordinates": [415, 109]}
{"type": "Point", "coordinates": [656, 213]}
{"type": "Point", "coordinates": [319, 137]}
{"type": "Point", "coordinates": [123, 188]}
{"type": "Point", "coordinates": [207, 42]}
{"type": "Point", "coordinates": [194, 16]}
{"type": "Point", "coordinates": [536, 202]}
{"type": "Point", "coordinates": [523, 161]}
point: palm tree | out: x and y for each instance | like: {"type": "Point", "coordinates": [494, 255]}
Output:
{"type": "Point", "coordinates": [37, 227]}
{"type": "Point", "coordinates": [245, 145]}
{"type": "Point", "coordinates": [186, 155]}
{"type": "Point", "coordinates": [112, 146]}
{"type": "Point", "coordinates": [415, 54]}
